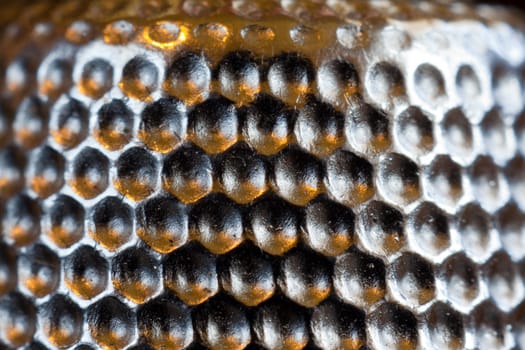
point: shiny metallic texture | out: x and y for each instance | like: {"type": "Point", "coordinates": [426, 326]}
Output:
{"type": "Point", "coordinates": [249, 174]}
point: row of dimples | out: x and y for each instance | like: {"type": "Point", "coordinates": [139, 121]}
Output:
{"type": "Point", "coordinates": [259, 200]}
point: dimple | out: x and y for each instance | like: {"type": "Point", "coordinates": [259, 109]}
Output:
{"type": "Point", "coordinates": [139, 78]}
{"type": "Point", "coordinates": [114, 125]}
{"type": "Point", "coordinates": [137, 173]}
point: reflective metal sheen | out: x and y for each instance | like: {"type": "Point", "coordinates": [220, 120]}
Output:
{"type": "Point", "coordinates": [338, 174]}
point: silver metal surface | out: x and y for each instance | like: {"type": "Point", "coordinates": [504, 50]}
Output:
{"type": "Point", "coordinates": [335, 175]}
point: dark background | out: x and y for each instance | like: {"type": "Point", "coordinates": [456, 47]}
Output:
{"type": "Point", "coordinates": [515, 3]}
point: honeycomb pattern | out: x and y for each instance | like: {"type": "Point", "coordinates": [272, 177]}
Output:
{"type": "Point", "coordinates": [242, 177]}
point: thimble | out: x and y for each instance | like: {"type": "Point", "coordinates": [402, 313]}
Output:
{"type": "Point", "coordinates": [280, 175]}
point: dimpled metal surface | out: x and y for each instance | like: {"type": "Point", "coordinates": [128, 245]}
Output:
{"type": "Point", "coordinates": [248, 174]}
